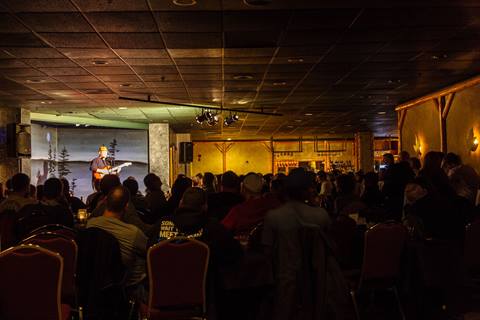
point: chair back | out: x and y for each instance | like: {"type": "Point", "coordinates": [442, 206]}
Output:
{"type": "Point", "coordinates": [342, 232]}
{"type": "Point", "coordinates": [384, 244]}
{"type": "Point", "coordinates": [100, 273]}
{"type": "Point", "coordinates": [30, 283]}
{"type": "Point", "coordinates": [177, 270]}
{"type": "Point", "coordinates": [31, 217]}
{"type": "Point", "coordinates": [472, 243]}
{"type": "Point", "coordinates": [68, 249]}
{"type": "Point", "coordinates": [7, 229]}
{"type": "Point", "coordinates": [57, 229]}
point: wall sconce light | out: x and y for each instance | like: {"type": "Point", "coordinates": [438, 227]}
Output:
{"type": "Point", "coordinates": [472, 141]}
{"type": "Point", "coordinates": [417, 147]}
{"type": "Point", "coordinates": [474, 145]}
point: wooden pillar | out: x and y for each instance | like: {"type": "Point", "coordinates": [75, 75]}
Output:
{"type": "Point", "coordinates": [443, 104]}
{"type": "Point", "coordinates": [224, 148]}
{"type": "Point", "coordinates": [364, 152]}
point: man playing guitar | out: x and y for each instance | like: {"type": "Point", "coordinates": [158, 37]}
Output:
{"type": "Point", "coordinates": [100, 165]}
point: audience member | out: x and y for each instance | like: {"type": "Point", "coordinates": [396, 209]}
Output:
{"type": "Point", "coordinates": [220, 203]}
{"type": "Point", "coordinates": [347, 202]}
{"type": "Point", "coordinates": [191, 220]}
{"type": "Point", "coordinates": [198, 180]}
{"type": "Point", "coordinates": [395, 178]}
{"type": "Point", "coordinates": [433, 172]}
{"type": "Point", "coordinates": [178, 188]}
{"type": "Point", "coordinates": [209, 182]}
{"type": "Point", "coordinates": [108, 183]}
{"type": "Point", "coordinates": [155, 198]}
{"type": "Point", "coordinates": [246, 215]}
{"type": "Point", "coordinates": [463, 178]}
{"type": "Point", "coordinates": [416, 165]}
{"type": "Point", "coordinates": [431, 215]}
{"type": "Point", "coordinates": [93, 196]}
{"type": "Point", "coordinates": [18, 197]}
{"type": "Point", "coordinates": [50, 210]}
{"type": "Point", "coordinates": [280, 238]}
{"type": "Point", "coordinates": [132, 241]}
{"type": "Point", "coordinates": [136, 197]}
{"type": "Point", "coordinates": [73, 202]}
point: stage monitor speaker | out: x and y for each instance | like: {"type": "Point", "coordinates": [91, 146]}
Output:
{"type": "Point", "coordinates": [18, 140]}
{"type": "Point", "coordinates": [24, 141]}
{"type": "Point", "coordinates": [186, 152]}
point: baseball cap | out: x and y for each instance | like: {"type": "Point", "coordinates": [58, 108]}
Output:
{"type": "Point", "coordinates": [253, 183]}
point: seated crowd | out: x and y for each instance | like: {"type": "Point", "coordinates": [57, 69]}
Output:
{"type": "Point", "coordinates": [237, 215]}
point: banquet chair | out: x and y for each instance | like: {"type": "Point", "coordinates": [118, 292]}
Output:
{"type": "Point", "coordinates": [7, 229]}
{"type": "Point", "coordinates": [30, 284]}
{"type": "Point", "coordinates": [100, 275]}
{"type": "Point", "coordinates": [177, 270]}
{"type": "Point", "coordinates": [342, 232]}
{"type": "Point", "coordinates": [68, 249]}
{"type": "Point", "coordinates": [384, 245]}
{"type": "Point", "coordinates": [471, 247]}
{"type": "Point", "coordinates": [56, 228]}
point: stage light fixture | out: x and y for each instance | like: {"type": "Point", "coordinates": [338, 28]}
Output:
{"type": "Point", "coordinates": [230, 119]}
{"type": "Point", "coordinates": [213, 119]}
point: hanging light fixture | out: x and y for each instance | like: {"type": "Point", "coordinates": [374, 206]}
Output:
{"type": "Point", "coordinates": [230, 119]}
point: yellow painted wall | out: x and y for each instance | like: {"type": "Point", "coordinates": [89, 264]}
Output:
{"type": "Point", "coordinates": [206, 158]}
{"type": "Point", "coordinates": [464, 115]}
{"type": "Point", "coordinates": [421, 121]}
{"type": "Point", "coordinates": [245, 157]}
{"type": "Point", "coordinates": [254, 156]}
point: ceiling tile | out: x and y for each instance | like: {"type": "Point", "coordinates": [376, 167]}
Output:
{"type": "Point", "coordinates": [123, 21]}
{"type": "Point", "coordinates": [56, 22]}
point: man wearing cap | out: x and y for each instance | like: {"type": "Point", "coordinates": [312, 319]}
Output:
{"type": "Point", "coordinates": [246, 215]}
{"type": "Point", "coordinates": [99, 165]}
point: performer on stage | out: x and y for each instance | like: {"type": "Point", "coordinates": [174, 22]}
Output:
{"type": "Point", "coordinates": [99, 165]}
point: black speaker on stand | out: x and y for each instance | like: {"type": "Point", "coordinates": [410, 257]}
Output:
{"type": "Point", "coordinates": [186, 152]}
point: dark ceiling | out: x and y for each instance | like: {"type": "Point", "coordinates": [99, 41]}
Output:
{"type": "Point", "coordinates": [331, 67]}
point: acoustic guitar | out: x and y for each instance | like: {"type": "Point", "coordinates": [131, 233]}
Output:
{"type": "Point", "coordinates": [100, 173]}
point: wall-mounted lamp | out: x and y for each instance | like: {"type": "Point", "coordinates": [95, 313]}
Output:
{"type": "Point", "coordinates": [417, 147]}
{"type": "Point", "coordinates": [474, 145]}
{"type": "Point", "coordinates": [472, 141]}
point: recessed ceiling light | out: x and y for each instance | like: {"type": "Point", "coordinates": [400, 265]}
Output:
{"type": "Point", "coordinates": [184, 3]}
{"type": "Point", "coordinates": [298, 120]}
{"type": "Point", "coordinates": [243, 77]}
{"type": "Point", "coordinates": [229, 139]}
{"type": "Point", "coordinates": [280, 83]}
{"type": "Point", "coordinates": [77, 125]}
{"type": "Point", "coordinates": [35, 80]}
{"type": "Point", "coordinates": [122, 108]}
{"type": "Point", "coordinates": [99, 62]}
{"type": "Point", "coordinates": [241, 101]}
{"type": "Point", "coordinates": [381, 112]}
{"type": "Point", "coordinates": [309, 114]}
{"type": "Point", "coordinates": [87, 125]}
{"type": "Point", "coordinates": [295, 60]}
{"type": "Point", "coordinates": [42, 102]}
